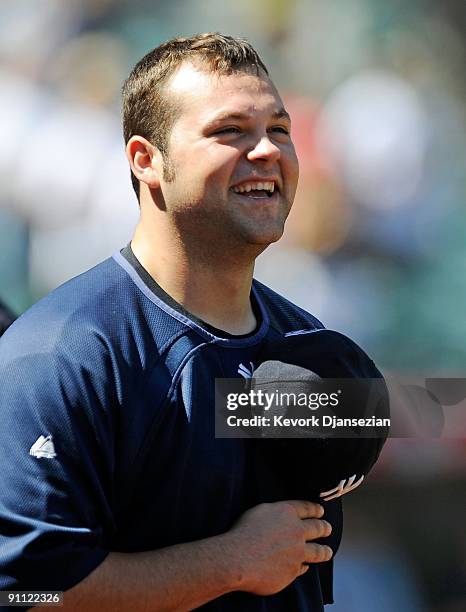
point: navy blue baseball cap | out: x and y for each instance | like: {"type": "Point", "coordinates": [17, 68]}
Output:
{"type": "Point", "coordinates": [320, 467]}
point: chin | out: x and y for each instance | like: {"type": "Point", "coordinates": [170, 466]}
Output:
{"type": "Point", "coordinates": [263, 239]}
{"type": "Point", "coordinates": [258, 232]}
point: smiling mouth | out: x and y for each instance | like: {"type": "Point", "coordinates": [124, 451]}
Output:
{"type": "Point", "coordinates": [255, 191]}
{"type": "Point", "coordinates": [255, 194]}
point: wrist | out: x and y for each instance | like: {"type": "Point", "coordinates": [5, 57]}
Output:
{"type": "Point", "coordinates": [231, 565]}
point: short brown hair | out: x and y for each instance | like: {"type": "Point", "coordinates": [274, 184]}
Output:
{"type": "Point", "coordinates": [146, 111]}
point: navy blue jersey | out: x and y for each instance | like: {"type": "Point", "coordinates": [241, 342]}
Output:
{"type": "Point", "coordinates": [107, 431]}
{"type": "Point", "coordinates": [6, 318]}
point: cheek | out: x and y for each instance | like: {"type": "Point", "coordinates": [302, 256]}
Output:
{"type": "Point", "coordinates": [216, 166]}
{"type": "Point", "coordinates": [221, 157]}
{"type": "Point", "coordinates": [291, 166]}
{"type": "Point", "coordinates": [293, 158]}
{"type": "Point", "coordinates": [210, 162]}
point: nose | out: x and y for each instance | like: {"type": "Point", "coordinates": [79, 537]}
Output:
{"type": "Point", "coordinates": [264, 150]}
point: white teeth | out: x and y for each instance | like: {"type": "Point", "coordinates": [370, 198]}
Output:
{"type": "Point", "coordinates": [246, 187]}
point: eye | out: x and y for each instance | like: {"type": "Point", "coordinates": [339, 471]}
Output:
{"type": "Point", "coordinates": [280, 129]}
{"type": "Point", "coordinates": [228, 130]}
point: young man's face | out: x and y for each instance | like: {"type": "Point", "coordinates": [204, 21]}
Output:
{"type": "Point", "coordinates": [229, 147]}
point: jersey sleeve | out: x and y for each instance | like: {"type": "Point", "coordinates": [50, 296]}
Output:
{"type": "Point", "coordinates": [56, 469]}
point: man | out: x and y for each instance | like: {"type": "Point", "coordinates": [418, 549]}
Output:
{"type": "Point", "coordinates": [113, 486]}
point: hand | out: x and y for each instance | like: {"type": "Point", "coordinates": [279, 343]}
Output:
{"type": "Point", "coordinates": [271, 544]}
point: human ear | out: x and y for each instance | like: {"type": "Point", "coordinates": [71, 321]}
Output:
{"type": "Point", "coordinates": [145, 161]}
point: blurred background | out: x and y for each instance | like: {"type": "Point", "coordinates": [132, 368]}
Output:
{"type": "Point", "coordinates": [375, 246]}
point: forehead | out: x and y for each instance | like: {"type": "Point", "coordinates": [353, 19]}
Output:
{"type": "Point", "coordinates": [197, 91]}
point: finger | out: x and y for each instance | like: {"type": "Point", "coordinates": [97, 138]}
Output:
{"type": "Point", "coordinates": [318, 553]}
{"type": "Point", "coordinates": [303, 569]}
{"type": "Point", "coordinates": [306, 509]}
{"type": "Point", "coordinates": [316, 528]}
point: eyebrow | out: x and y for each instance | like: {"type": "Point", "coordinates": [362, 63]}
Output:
{"type": "Point", "coordinates": [278, 114]}
{"type": "Point", "coordinates": [281, 114]}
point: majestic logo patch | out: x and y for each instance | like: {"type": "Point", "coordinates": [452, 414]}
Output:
{"type": "Point", "coordinates": [43, 448]}
{"type": "Point", "coordinates": [246, 372]}
{"type": "Point", "coordinates": [342, 488]}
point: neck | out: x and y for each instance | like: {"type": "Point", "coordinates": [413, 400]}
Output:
{"type": "Point", "coordinates": [212, 285]}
